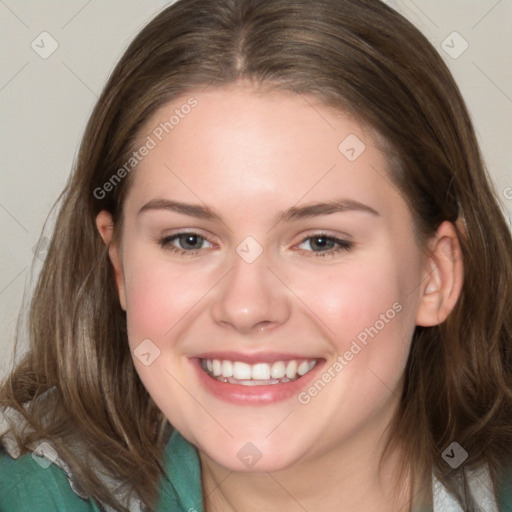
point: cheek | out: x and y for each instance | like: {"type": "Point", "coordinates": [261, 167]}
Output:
{"type": "Point", "coordinates": [352, 297]}
{"type": "Point", "coordinates": [366, 310]}
{"type": "Point", "coordinates": [159, 295]}
{"type": "Point", "coordinates": [160, 302]}
{"type": "Point", "coordinates": [370, 321]}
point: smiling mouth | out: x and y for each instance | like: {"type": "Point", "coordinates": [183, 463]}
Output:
{"type": "Point", "coordinates": [259, 374]}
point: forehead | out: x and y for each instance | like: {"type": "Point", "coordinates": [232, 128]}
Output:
{"type": "Point", "coordinates": [236, 144]}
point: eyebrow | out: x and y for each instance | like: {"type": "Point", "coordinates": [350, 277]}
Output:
{"type": "Point", "coordinates": [324, 208]}
{"type": "Point", "coordinates": [293, 213]}
{"type": "Point", "coordinates": [192, 210]}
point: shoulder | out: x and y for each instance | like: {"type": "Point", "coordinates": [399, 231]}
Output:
{"type": "Point", "coordinates": [31, 483]}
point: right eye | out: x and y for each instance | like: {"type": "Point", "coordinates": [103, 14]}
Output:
{"type": "Point", "coordinates": [185, 242]}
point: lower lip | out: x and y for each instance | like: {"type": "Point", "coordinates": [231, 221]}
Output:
{"type": "Point", "coordinates": [254, 395]}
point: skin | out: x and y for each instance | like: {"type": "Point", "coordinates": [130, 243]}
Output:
{"type": "Point", "coordinates": [248, 157]}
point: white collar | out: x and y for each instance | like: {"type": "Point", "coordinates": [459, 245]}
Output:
{"type": "Point", "coordinates": [480, 487]}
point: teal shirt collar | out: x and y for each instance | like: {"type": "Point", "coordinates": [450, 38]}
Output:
{"type": "Point", "coordinates": [181, 490]}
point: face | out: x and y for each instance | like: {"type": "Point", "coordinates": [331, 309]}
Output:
{"type": "Point", "coordinates": [263, 239]}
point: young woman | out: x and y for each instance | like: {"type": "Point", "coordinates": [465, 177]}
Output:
{"type": "Point", "coordinates": [279, 280]}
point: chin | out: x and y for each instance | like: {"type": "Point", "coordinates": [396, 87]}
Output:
{"type": "Point", "coordinates": [252, 454]}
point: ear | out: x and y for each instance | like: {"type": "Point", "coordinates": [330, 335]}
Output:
{"type": "Point", "coordinates": [105, 227]}
{"type": "Point", "coordinates": [443, 277]}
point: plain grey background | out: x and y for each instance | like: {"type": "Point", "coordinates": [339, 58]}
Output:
{"type": "Point", "coordinates": [46, 98]}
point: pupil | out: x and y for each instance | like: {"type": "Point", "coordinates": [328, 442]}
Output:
{"type": "Point", "coordinates": [189, 241]}
{"type": "Point", "coordinates": [322, 242]}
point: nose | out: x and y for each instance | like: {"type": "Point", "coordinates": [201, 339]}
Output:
{"type": "Point", "coordinates": [250, 298]}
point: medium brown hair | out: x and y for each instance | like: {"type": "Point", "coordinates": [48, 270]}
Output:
{"type": "Point", "coordinates": [360, 57]}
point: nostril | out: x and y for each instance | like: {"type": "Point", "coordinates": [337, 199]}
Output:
{"type": "Point", "coordinates": [261, 326]}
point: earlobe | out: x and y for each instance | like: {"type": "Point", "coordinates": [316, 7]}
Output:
{"type": "Point", "coordinates": [105, 226]}
{"type": "Point", "coordinates": [443, 277]}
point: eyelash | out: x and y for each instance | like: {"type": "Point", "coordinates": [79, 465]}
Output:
{"type": "Point", "coordinates": [166, 244]}
{"type": "Point", "coordinates": [341, 245]}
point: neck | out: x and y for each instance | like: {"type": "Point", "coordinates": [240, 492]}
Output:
{"type": "Point", "coordinates": [346, 478]}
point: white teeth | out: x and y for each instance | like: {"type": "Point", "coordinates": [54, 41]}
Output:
{"type": "Point", "coordinates": [241, 371]}
{"type": "Point", "coordinates": [291, 369]}
{"type": "Point", "coordinates": [217, 367]}
{"type": "Point", "coordinates": [278, 370]}
{"type": "Point", "coordinates": [303, 368]}
{"type": "Point", "coordinates": [259, 373]}
{"type": "Point", "coordinates": [227, 369]}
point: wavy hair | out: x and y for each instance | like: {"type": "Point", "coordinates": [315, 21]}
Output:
{"type": "Point", "coordinates": [360, 57]}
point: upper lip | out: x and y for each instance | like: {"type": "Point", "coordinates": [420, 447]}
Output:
{"type": "Point", "coordinates": [257, 357]}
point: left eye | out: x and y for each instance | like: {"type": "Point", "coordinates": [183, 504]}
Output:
{"type": "Point", "coordinates": [185, 241]}
{"type": "Point", "coordinates": [324, 243]}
